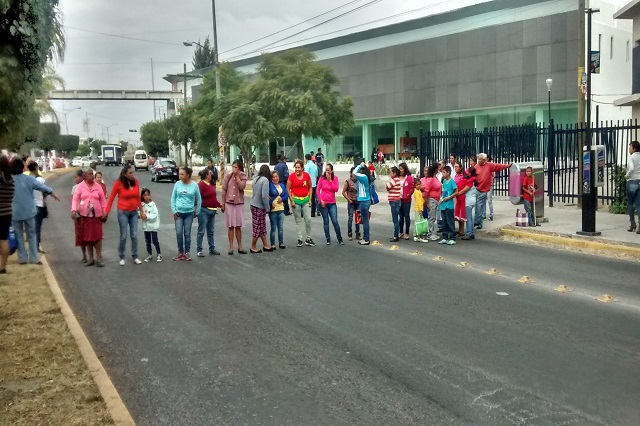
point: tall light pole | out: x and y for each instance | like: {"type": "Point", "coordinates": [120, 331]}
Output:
{"type": "Point", "coordinates": [550, 146]}
{"type": "Point", "coordinates": [65, 112]}
{"type": "Point", "coordinates": [108, 134]}
{"type": "Point", "coordinates": [549, 82]}
{"type": "Point", "coordinates": [589, 189]}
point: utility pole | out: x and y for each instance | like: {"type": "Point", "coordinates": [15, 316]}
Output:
{"type": "Point", "coordinates": [589, 189]}
{"type": "Point", "coordinates": [581, 69]}
{"type": "Point", "coordinates": [221, 138]}
{"type": "Point", "coordinates": [153, 87]}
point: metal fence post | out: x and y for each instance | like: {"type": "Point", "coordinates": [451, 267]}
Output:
{"type": "Point", "coordinates": [551, 160]}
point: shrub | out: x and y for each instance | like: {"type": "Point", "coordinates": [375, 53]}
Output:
{"type": "Point", "coordinates": [619, 205]}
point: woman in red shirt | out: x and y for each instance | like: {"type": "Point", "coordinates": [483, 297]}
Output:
{"type": "Point", "coordinates": [299, 188]}
{"type": "Point", "coordinates": [127, 190]}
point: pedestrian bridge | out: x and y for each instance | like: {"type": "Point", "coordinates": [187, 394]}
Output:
{"type": "Point", "coordinates": [116, 95]}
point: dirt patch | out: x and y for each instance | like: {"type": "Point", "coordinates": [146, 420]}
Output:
{"type": "Point", "coordinates": [43, 377]}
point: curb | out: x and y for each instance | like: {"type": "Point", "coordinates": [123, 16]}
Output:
{"type": "Point", "coordinates": [118, 411]}
{"type": "Point", "coordinates": [570, 240]}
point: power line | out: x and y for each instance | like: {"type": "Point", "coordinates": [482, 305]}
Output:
{"type": "Point", "coordinates": [122, 36]}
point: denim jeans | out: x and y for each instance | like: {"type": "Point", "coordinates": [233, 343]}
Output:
{"type": "Point", "coordinates": [28, 226]}
{"type": "Point", "coordinates": [489, 203]}
{"type": "Point", "coordinates": [276, 219]}
{"type": "Point", "coordinates": [302, 211]}
{"type": "Point", "coordinates": [183, 232]}
{"type": "Point", "coordinates": [364, 207]}
{"type": "Point", "coordinates": [130, 220]}
{"type": "Point", "coordinates": [528, 207]}
{"type": "Point", "coordinates": [405, 217]}
{"type": "Point", "coordinates": [468, 226]}
{"type": "Point", "coordinates": [395, 213]}
{"type": "Point", "coordinates": [330, 211]}
{"type": "Point", "coordinates": [433, 209]}
{"type": "Point", "coordinates": [351, 209]}
{"type": "Point", "coordinates": [149, 237]}
{"type": "Point", "coordinates": [39, 218]}
{"type": "Point", "coordinates": [448, 225]}
{"type": "Point", "coordinates": [481, 207]}
{"type": "Point", "coordinates": [206, 222]}
{"type": "Point", "coordinates": [633, 198]}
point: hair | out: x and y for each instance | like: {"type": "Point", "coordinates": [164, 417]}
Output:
{"type": "Point", "coordinates": [371, 162]}
{"type": "Point", "coordinates": [447, 169]}
{"type": "Point", "coordinates": [452, 155]}
{"type": "Point", "coordinates": [432, 170]}
{"type": "Point", "coordinates": [17, 166]}
{"type": "Point", "coordinates": [307, 157]}
{"type": "Point", "coordinates": [144, 191]}
{"type": "Point", "coordinates": [265, 171]}
{"type": "Point", "coordinates": [188, 171]}
{"type": "Point", "coordinates": [300, 162]}
{"type": "Point", "coordinates": [89, 170]}
{"type": "Point", "coordinates": [324, 175]}
{"type": "Point", "coordinates": [280, 157]}
{"type": "Point", "coordinates": [98, 173]}
{"type": "Point", "coordinates": [482, 156]}
{"type": "Point", "coordinates": [352, 169]}
{"type": "Point", "coordinates": [204, 173]}
{"type": "Point", "coordinates": [403, 167]}
{"type": "Point", "coordinates": [32, 166]}
{"type": "Point", "coordinates": [5, 169]}
{"type": "Point", "coordinates": [275, 172]}
{"type": "Point", "coordinates": [474, 159]}
{"type": "Point", "coordinates": [239, 164]}
{"type": "Point", "coordinates": [79, 173]}
{"type": "Point", "coordinates": [395, 170]}
{"type": "Point", "coordinates": [319, 149]}
{"type": "Point", "coordinates": [93, 165]}
{"type": "Point", "coordinates": [365, 171]}
{"type": "Point", "coordinates": [123, 177]}
{"type": "Point", "coordinates": [470, 172]}
{"type": "Point", "coordinates": [529, 168]}
{"type": "Point", "coordinates": [457, 163]}
{"type": "Point", "coordinates": [210, 159]}
{"type": "Point", "coordinates": [635, 145]}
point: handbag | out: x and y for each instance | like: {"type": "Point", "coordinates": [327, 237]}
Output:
{"type": "Point", "coordinates": [521, 218]}
{"type": "Point", "coordinates": [13, 241]}
{"type": "Point", "coordinates": [421, 224]}
{"type": "Point", "coordinates": [358, 217]}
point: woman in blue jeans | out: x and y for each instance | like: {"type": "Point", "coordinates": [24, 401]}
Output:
{"type": "Point", "coordinates": [185, 205]}
{"type": "Point", "coordinates": [278, 197]}
{"type": "Point", "coordinates": [406, 195]}
{"type": "Point", "coordinates": [326, 190]}
{"type": "Point", "coordinates": [364, 199]}
{"type": "Point", "coordinates": [633, 185]}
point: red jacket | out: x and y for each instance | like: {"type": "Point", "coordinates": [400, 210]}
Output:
{"type": "Point", "coordinates": [208, 195]}
{"type": "Point", "coordinates": [485, 174]}
{"type": "Point", "coordinates": [128, 199]}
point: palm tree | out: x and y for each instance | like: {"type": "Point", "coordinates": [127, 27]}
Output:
{"type": "Point", "coordinates": [58, 37]}
{"type": "Point", "coordinates": [50, 81]}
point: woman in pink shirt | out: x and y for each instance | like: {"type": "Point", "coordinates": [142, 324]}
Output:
{"type": "Point", "coordinates": [90, 203]}
{"type": "Point", "coordinates": [326, 190]}
{"type": "Point", "coordinates": [431, 192]}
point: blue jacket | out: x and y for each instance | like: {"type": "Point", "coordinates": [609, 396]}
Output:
{"type": "Point", "coordinates": [312, 169]}
{"type": "Point", "coordinates": [185, 197]}
{"type": "Point", "coordinates": [273, 193]}
{"type": "Point", "coordinates": [23, 206]}
{"type": "Point", "coordinates": [283, 171]}
{"type": "Point", "coordinates": [364, 186]}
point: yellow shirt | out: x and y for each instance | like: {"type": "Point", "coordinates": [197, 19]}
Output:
{"type": "Point", "coordinates": [277, 207]}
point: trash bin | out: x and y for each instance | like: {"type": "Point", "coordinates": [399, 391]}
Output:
{"type": "Point", "coordinates": [517, 173]}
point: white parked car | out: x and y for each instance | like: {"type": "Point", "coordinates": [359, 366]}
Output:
{"type": "Point", "coordinates": [85, 162]}
{"type": "Point", "coordinates": [76, 162]}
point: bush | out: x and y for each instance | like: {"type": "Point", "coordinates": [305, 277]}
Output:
{"type": "Point", "coordinates": [619, 205]}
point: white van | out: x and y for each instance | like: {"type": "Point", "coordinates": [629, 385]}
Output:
{"type": "Point", "coordinates": [140, 160]}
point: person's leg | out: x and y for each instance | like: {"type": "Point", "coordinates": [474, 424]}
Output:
{"type": "Point", "coordinates": [490, 202]}
{"type": "Point", "coordinates": [156, 243]}
{"type": "Point", "coordinates": [211, 229]}
{"type": "Point", "coordinates": [30, 225]}
{"type": "Point", "coordinates": [99, 251]}
{"type": "Point", "coordinates": [469, 223]}
{"type": "Point", "coordinates": [451, 226]}
{"type": "Point", "coordinates": [324, 211]}
{"type": "Point", "coordinates": [123, 222]}
{"type": "Point", "coordinates": [133, 229]}
{"type": "Point", "coordinates": [238, 231]}
{"type": "Point", "coordinates": [202, 225]}
{"type": "Point", "coordinates": [481, 207]}
{"type": "Point", "coordinates": [272, 227]}
{"type": "Point", "coordinates": [90, 253]}
{"type": "Point", "coordinates": [179, 224]}
{"type": "Point", "coordinates": [333, 214]}
{"type": "Point", "coordinates": [306, 213]}
{"type": "Point", "coordinates": [364, 212]}
{"type": "Point", "coordinates": [188, 223]}
{"type": "Point", "coordinates": [147, 242]}
{"type": "Point", "coordinates": [39, 219]}
{"type": "Point", "coordinates": [350, 212]}
{"type": "Point", "coordinates": [297, 215]}
{"type": "Point", "coordinates": [528, 207]}
{"type": "Point", "coordinates": [286, 208]}
{"type": "Point", "coordinates": [357, 207]}
{"type": "Point", "coordinates": [433, 214]}
{"type": "Point", "coordinates": [280, 223]}
{"type": "Point", "coordinates": [4, 254]}
{"type": "Point", "coordinates": [314, 201]}
{"type": "Point", "coordinates": [632, 188]}
{"type": "Point", "coordinates": [395, 212]}
{"type": "Point", "coordinates": [18, 228]}
{"type": "Point", "coordinates": [406, 211]}
{"type": "Point", "coordinates": [401, 221]}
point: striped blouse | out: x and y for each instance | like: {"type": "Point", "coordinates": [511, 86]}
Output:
{"type": "Point", "coordinates": [6, 196]}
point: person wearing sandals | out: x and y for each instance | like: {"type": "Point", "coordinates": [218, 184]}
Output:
{"type": "Point", "coordinates": [90, 203]}
{"type": "Point", "coordinates": [233, 204]}
{"type": "Point", "coordinates": [326, 190]}
{"type": "Point", "coordinates": [186, 203]}
{"type": "Point", "coordinates": [278, 198]}
{"type": "Point", "coordinates": [260, 207]}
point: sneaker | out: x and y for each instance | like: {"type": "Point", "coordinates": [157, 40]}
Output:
{"type": "Point", "coordinates": [424, 240]}
{"type": "Point", "coordinates": [341, 242]}
{"type": "Point", "coordinates": [137, 261]}
{"type": "Point", "coordinates": [394, 239]}
{"type": "Point", "coordinates": [416, 239]}
{"type": "Point", "coordinates": [309, 242]}
{"type": "Point", "coordinates": [406, 236]}
{"type": "Point", "coordinates": [121, 263]}
{"type": "Point", "coordinates": [328, 243]}
{"type": "Point", "coordinates": [364, 243]}
{"type": "Point", "coordinates": [214, 252]}
{"type": "Point", "coordinates": [148, 259]}
{"type": "Point", "coordinates": [159, 258]}
{"type": "Point", "coordinates": [433, 237]}
{"type": "Point", "coordinates": [180, 256]}
{"type": "Point", "coordinates": [186, 257]}
{"type": "Point", "coordinates": [350, 236]}
{"type": "Point", "coordinates": [443, 241]}
{"type": "Point", "coordinates": [200, 254]}
{"type": "Point", "coordinates": [491, 218]}
{"type": "Point", "coordinates": [299, 243]}
{"type": "Point", "coordinates": [451, 242]}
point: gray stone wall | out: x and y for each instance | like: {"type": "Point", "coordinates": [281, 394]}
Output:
{"type": "Point", "coordinates": [484, 68]}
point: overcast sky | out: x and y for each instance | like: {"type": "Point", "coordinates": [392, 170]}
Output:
{"type": "Point", "coordinates": [99, 57]}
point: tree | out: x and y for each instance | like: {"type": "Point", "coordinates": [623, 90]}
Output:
{"type": "Point", "coordinates": [181, 132]}
{"type": "Point", "coordinates": [48, 136]}
{"type": "Point", "coordinates": [83, 150]}
{"type": "Point", "coordinates": [300, 97]}
{"type": "Point", "coordinates": [30, 33]}
{"type": "Point", "coordinates": [155, 138]}
{"type": "Point", "coordinates": [68, 143]}
{"type": "Point", "coordinates": [203, 57]}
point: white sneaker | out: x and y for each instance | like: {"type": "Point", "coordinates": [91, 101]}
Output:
{"type": "Point", "coordinates": [416, 239]}
{"type": "Point", "coordinates": [137, 261]}
{"type": "Point", "coordinates": [451, 243]}
{"type": "Point", "coordinates": [148, 259]}
{"type": "Point", "coordinates": [443, 241]}
{"type": "Point", "coordinates": [424, 240]}
{"type": "Point", "coordinates": [121, 262]}
{"type": "Point", "coordinates": [159, 258]}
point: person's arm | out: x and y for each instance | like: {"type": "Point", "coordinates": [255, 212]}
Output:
{"type": "Point", "coordinates": [115, 189]}
{"type": "Point", "coordinates": [102, 200]}
{"type": "Point", "coordinates": [293, 205]}
{"type": "Point", "coordinates": [174, 198]}
{"type": "Point", "coordinates": [74, 202]}
{"type": "Point", "coordinates": [344, 192]}
{"type": "Point", "coordinates": [241, 180]}
{"type": "Point", "coordinates": [198, 200]}
{"type": "Point", "coordinates": [223, 194]}
{"type": "Point", "coordinates": [265, 196]}
{"type": "Point", "coordinates": [497, 167]}
{"type": "Point", "coordinates": [44, 189]}
{"type": "Point", "coordinates": [152, 214]}
{"type": "Point", "coordinates": [335, 184]}
{"type": "Point", "coordinates": [285, 194]}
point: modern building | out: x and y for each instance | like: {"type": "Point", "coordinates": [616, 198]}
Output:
{"type": "Point", "coordinates": [475, 67]}
{"type": "Point", "coordinates": [631, 12]}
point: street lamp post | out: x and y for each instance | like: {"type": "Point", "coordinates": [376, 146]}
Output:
{"type": "Point", "coordinates": [108, 134]}
{"type": "Point", "coordinates": [65, 112]}
{"type": "Point", "coordinates": [550, 146]}
{"type": "Point", "coordinates": [549, 82]}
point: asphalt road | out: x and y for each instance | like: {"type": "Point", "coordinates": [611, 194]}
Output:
{"type": "Point", "coordinates": [356, 335]}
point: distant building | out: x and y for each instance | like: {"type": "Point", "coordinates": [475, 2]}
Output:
{"type": "Point", "coordinates": [631, 12]}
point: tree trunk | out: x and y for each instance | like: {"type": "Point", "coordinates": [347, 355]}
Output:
{"type": "Point", "coordinates": [300, 148]}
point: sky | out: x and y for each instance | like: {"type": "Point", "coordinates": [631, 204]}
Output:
{"type": "Point", "coordinates": [110, 45]}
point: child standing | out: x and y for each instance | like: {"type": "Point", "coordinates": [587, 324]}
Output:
{"type": "Point", "coordinates": [150, 224]}
{"type": "Point", "coordinates": [449, 192]}
{"type": "Point", "coordinates": [529, 188]}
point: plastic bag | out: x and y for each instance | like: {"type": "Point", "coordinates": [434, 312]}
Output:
{"type": "Point", "coordinates": [13, 241]}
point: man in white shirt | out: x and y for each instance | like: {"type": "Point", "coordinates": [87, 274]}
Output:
{"type": "Point", "coordinates": [452, 163]}
{"type": "Point", "coordinates": [38, 197]}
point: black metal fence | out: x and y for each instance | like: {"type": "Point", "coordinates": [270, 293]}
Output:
{"type": "Point", "coordinates": [530, 142]}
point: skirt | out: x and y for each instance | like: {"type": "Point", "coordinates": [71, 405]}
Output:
{"type": "Point", "coordinates": [259, 222]}
{"type": "Point", "coordinates": [78, 228]}
{"type": "Point", "coordinates": [5, 223]}
{"type": "Point", "coordinates": [91, 229]}
{"type": "Point", "coordinates": [233, 215]}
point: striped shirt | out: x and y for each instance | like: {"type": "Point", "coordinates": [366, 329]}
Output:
{"type": "Point", "coordinates": [394, 187]}
{"type": "Point", "coordinates": [6, 196]}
